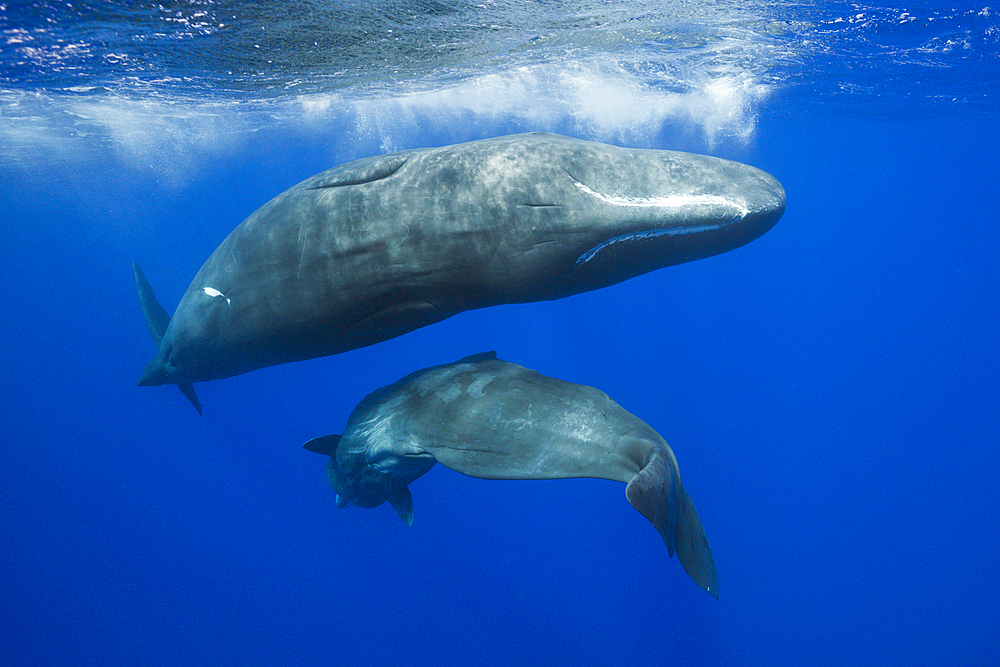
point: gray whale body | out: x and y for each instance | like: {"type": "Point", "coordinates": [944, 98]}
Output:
{"type": "Point", "coordinates": [493, 419]}
{"type": "Point", "coordinates": [375, 248]}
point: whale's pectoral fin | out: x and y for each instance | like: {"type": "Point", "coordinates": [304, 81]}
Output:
{"type": "Point", "coordinates": [324, 444]}
{"type": "Point", "coordinates": [188, 390]}
{"type": "Point", "coordinates": [401, 317]}
{"type": "Point", "coordinates": [402, 501]}
{"type": "Point", "coordinates": [157, 320]}
{"type": "Point", "coordinates": [327, 445]}
{"type": "Point", "coordinates": [656, 491]}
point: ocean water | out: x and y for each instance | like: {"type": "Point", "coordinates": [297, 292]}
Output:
{"type": "Point", "coordinates": [830, 390]}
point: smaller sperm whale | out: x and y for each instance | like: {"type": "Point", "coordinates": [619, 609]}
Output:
{"type": "Point", "coordinates": [493, 419]}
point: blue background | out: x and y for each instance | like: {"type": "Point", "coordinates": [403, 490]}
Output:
{"type": "Point", "coordinates": [830, 390]}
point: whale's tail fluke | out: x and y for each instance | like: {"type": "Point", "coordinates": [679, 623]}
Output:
{"type": "Point", "coordinates": [656, 491]}
{"type": "Point", "coordinates": [692, 547]}
{"type": "Point", "coordinates": [157, 320]}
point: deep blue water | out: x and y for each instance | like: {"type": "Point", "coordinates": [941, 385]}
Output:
{"type": "Point", "coordinates": [830, 390]}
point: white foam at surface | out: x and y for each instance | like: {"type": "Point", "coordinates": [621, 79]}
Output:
{"type": "Point", "coordinates": [164, 133]}
{"type": "Point", "coordinates": [382, 76]}
{"type": "Point", "coordinates": [590, 103]}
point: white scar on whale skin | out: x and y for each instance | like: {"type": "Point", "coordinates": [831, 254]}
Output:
{"type": "Point", "coordinates": [669, 201]}
{"type": "Point", "coordinates": [739, 211]}
{"type": "Point", "coordinates": [212, 292]}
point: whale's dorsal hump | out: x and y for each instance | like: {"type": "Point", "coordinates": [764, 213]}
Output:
{"type": "Point", "coordinates": [476, 358]}
{"type": "Point", "coordinates": [362, 171]}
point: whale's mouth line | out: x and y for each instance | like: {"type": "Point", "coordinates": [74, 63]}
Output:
{"type": "Point", "coordinates": [650, 234]}
{"type": "Point", "coordinates": [726, 212]}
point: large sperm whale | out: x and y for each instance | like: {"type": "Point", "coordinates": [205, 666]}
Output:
{"type": "Point", "coordinates": [492, 419]}
{"type": "Point", "coordinates": [381, 246]}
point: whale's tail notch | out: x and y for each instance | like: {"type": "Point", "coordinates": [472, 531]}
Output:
{"type": "Point", "coordinates": [157, 320]}
{"type": "Point", "coordinates": [656, 491]}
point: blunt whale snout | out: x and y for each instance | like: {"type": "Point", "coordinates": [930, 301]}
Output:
{"type": "Point", "coordinates": [666, 208]}
{"type": "Point", "coordinates": [764, 201]}
{"type": "Point", "coordinates": [375, 248]}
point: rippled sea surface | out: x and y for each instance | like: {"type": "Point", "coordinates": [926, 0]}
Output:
{"type": "Point", "coordinates": [74, 69]}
